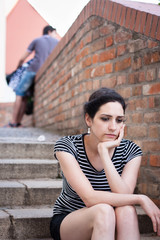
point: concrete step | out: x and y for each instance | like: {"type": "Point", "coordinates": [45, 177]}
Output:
{"type": "Point", "coordinates": [145, 223]}
{"type": "Point", "coordinates": [151, 236]}
{"type": "Point", "coordinates": [28, 168]}
{"type": "Point", "coordinates": [27, 143]}
{"type": "Point", "coordinates": [33, 223]}
{"type": "Point", "coordinates": [29, 192]}
{"type": "Point", "coordinates": [28, 223]}
{"type": "Point", "coordinates": [27, 135]}
{"type": "Point", "coordinates": [27, 150]}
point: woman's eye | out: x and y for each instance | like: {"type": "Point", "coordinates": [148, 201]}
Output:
{"type": "Point", "coordinates": [119, 120]}
{"type": "Point", "coordinates": [105, 119]}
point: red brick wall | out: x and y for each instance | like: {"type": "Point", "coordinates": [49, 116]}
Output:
{"type": "Point", "coordinates": [104, 48]}
{"type": "Point", "coordinates": [5, 113]}
{"type": "Point", "coordinates": [114, 46]}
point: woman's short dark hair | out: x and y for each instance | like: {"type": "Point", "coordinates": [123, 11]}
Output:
{"type": "Point", "coordinates": [47, 29]}
{"type": "Point", "coordinates": [100, 97]}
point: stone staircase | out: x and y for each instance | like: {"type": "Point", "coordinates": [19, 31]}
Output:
{"type": "Point", "coordinates": [29, 185]}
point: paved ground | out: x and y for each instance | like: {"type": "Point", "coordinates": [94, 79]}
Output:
{"type": "Point", "coordinates": [27, 135]}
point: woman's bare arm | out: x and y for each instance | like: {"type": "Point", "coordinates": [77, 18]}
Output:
{"type": "Point", "coordinates": [90, 197]}
{"type": "Point", "coordinates": [127, 181]}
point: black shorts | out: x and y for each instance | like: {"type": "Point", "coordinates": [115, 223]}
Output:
{"type": "Point", "coordinates": [55, 225]}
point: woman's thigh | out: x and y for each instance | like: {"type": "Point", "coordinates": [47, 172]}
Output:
{"type": "Point", "coordinates": [79, 224]}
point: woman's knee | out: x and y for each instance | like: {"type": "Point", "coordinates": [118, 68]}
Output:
{"type": "Point", "coordinates": [104, 215]}
{"type": "Point", "coordinates": [125, 213]}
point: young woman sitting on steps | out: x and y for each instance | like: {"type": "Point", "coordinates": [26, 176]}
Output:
{"type": "Point", "coordinates": [99, 171]}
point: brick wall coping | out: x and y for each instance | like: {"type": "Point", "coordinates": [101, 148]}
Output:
{"type": "Point", "coordinates": [144, 7]}
{"type": "Point", "coordinates": [139, 17]}
{"type": "Point", "coordinates": [6, 104]}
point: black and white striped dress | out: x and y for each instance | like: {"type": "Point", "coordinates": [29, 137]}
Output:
{"type": "Point", "coordinates": [68, 200]}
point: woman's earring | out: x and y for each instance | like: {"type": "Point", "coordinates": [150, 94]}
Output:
{"type": "Point", "coordinates": [89, 130]}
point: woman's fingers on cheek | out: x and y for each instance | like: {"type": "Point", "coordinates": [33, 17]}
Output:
{"type": "Point", "coordinates": [117, 142]}
{"type": "Point", "coordinates": [123, 127]}
{"type": "Point", "coordinates": [121, 133]}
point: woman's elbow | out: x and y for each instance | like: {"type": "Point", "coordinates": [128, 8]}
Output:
{"type": "Point", "coordinates": [88, 203]}
{"type": "Point", "coordinates": [89, 200]}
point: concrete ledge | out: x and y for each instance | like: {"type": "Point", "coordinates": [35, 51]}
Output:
{"type": "Point", "coordinates": [27, 143]}
{"type": "Point", "coordinates": [30, 223]}
{"type": "Point", "coordinates": [145, 223]}
{"type": "Point", "coordinates": [4, 225]}
{"type": "Point", "coordinates": [29, 192]}
{"type": "Point", "coordinates": [27, 150]}
{"type": "Point", "coordinates": [30, 213]}
{"type": "Point", "coordinates": [151, 236]}
{"type": "Point", "coordinates": [28, 168]}
{"type": "Point", "coordinates": [22, 135]}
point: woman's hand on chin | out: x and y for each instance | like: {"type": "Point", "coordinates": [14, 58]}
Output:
{"type": "Point", "coordinates": [113, 143]}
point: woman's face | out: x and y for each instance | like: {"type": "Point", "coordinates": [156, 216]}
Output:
{"type": "Point", "coordinates": [107, 122]}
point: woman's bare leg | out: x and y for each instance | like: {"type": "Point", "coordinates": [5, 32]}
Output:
{"type": "Point", "coordinates": [94, 223]}
{"type": "Point", "coordinates": [127, 223]}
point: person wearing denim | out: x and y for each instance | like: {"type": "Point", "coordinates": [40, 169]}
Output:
{"type": "Point", "coordinates": [25, 83]}
{"type": "Point", "coordinates": [42, 48]}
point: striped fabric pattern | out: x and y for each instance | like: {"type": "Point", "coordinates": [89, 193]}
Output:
{"type": "Point", "coordinates": [68, 200]}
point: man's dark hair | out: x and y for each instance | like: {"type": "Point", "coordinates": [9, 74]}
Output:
{"type": "Point", "coordinates": [100, 97]}
{"type": "Point", "coordinates": [47, 29]}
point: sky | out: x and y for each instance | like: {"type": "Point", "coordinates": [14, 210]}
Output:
{"type": "Point", "coordinates": [58, 13]}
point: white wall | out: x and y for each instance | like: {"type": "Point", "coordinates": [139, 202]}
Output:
{"type": "Point", "coordinates": [6, 94]}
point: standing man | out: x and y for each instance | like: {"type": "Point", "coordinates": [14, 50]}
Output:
{"type": "Point", "coordinates": [42, 47]}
